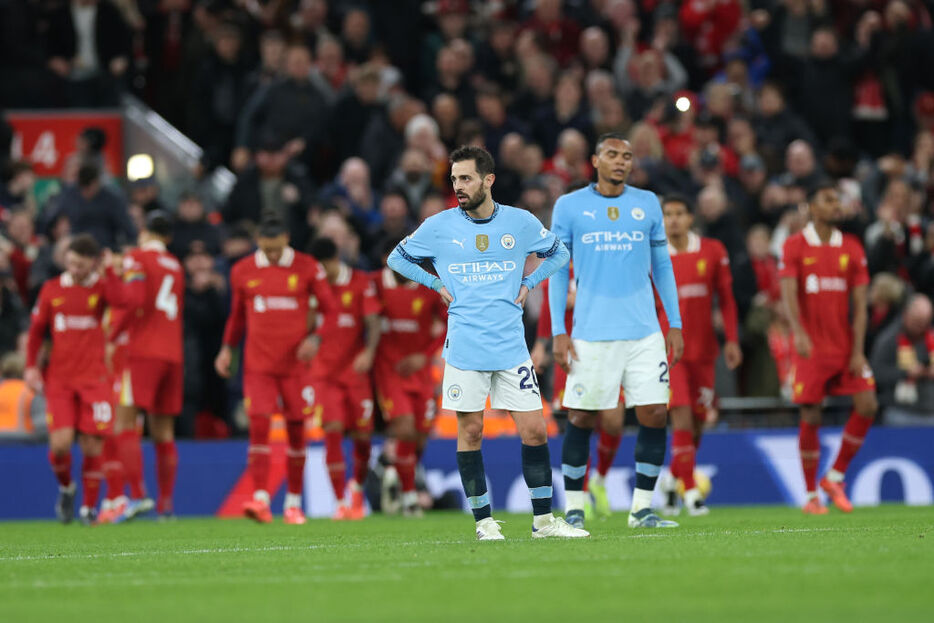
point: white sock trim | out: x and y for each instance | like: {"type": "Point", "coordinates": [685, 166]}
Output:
{"type": "Point", "coordinates": [641, 498]}
{"type": "Point", "coordinates": [574, 500]}
{"type": "Point", "coordinates": [262, 496]}
{"type": "Point", "coordinates": [835, 476]}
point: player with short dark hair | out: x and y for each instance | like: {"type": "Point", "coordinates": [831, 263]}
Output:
{"type": "Point", "coordinates": [153, 293]}
{"type": "Point", "coordinates": [479, 251]}
{"type": "Point", "coordinates": [339, 376]}
{"type": "Point", "coordinates": [270, 304]}
{"type": "Point", "coordinates": [413, 319]}
{"type": "Point", "coordinates": [702, 271]}
{"type": "Point", "coordinates": [70, 309]}
{"type": "Point", "coordinates": [824, 282]}
{"type": "Point", "coordinates": [616, 234]}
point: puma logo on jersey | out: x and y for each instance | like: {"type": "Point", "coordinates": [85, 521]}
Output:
{"type": "Point", "coordinates": [592, 214]}
{"type": "Point", "coordinates": [459, 243]}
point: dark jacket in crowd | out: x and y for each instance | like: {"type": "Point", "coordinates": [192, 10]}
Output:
{"type": "Point", "coordinates": [104, 216]}
{"type": "Point", "coordinates": [111, 34]}
{"type": "Point", "coordinates": [883, 361]}
{"type": "Point", "coordinates": [14, 319]}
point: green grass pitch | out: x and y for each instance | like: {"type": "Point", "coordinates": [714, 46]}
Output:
{"type": "Point", "coordinates": [738, 564]}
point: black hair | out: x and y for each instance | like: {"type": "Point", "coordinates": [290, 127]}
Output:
{"type": "Point", "coordinates": [609, 136]}
{"type": "Point", "coordinates": [271, 227]}
{"type": "Point", "coordinates": [85, 246]}
{"type": "Point", "coordinates": [482, 158]}
{"type": "Point", "coordinates": [158, 223]}
{"type": "Point", "coordinates": [322, 249]}
{"type": "Point", "coordinates": [678, 198]}
{"type": "Point", "coordinates": [88, 173]}
{"type": "Point", "coordinates": [819, 185]}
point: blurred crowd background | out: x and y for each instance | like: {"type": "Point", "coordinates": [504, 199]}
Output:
{"type": "Point", "coordinates": [339, 115]}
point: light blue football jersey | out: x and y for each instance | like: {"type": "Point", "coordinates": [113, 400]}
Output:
{"type": "Point", "coordinates": [618, 246]}
{"type": "Point", "coordinates": [481, 263]}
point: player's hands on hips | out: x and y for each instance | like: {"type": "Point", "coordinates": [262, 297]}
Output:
{"type": "Point", "coordinates": [308, 348]}
{"type": "Point", "coordinates": [733, 355]}
{"type": "Point", "coordinates": [411, 364]}
{"type": "Point", "coordinates": [33, 379]}
{"type": "Point", "coordinates": [674, 344]}
{"type": "Point", "coordinates": [523, 294]}
{"type": "Point", "coordinates": [446, 296]}
{"type": "Point", "coordinates": [363, 362]}
{"type": "Point", "coordinates": [222, 362]}
{"type": "Point", "coordinates": [802, 343]}
{"type": "Point", "coordinates": [564, 352]}
{"type": "Point", "coordinates": [858, 364]}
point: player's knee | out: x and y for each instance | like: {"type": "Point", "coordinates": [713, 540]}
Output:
{"type": "Point", "coordinates": [470, 429]}
{"type": "Point", "coordinates": [653, 416]}
{"type": "Point", "coordinates": [868, 407]}
{"type": "Point", "coordinates": [333, 427]}
{"type": "Point", "coordinates": [534, 433]}
{"type": "Point", "coordinates": [403, 428]}
{"type": "Point", "coordinates": [811, 414]}
{"type": "Point", "coordinates": [582, 419]}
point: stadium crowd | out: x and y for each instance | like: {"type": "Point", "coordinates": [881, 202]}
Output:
{"type": "Point", "coordinates": [338, 117]}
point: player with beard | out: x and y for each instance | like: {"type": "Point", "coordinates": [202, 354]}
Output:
{"type": "Point", "coordinates": [479, 251]}
{"type": "Point", "coordinates": [616, 234]}
{"type": "Point", "coordinates": [824, 282]}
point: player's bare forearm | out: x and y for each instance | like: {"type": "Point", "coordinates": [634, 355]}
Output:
{"type": "Point", "coordinates": [789, 287]}
{"type": "Point", "coordinates": [860, 319]}
{"type": "Point", "coordinates": [374, 331]}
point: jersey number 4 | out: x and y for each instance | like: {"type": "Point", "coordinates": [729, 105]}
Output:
{"type": "Point", "coordinates": [166, 300]}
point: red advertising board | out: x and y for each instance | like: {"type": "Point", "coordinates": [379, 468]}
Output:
{"type": "Point", "coordinates": [48, 138]}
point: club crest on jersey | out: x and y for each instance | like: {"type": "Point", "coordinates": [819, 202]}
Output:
{"type": "Point", "coordinates": [417, 306]}
{"type": "Point", "coordinates": [507, 241]}
{"type": "Point", "coordinates": [252, 283]}
{"type": "Point", "coordinates": [844, 262]}
{"type": "Point", "coordinates": [455, 392]}
{"type": "Point", "coordinates": [293, 282]}
{"type": "Point", "coordinates": [483, 242]}
{"type": "Point", "coordinates": [701, 268]}
{"type": "Point", "coordinates": [92, 301]}
{"type": "Point", "coordinates": [638, 214]}
{"type": "Point", "coordinates": [612, 212]}
{"type": "Point", "coordinates": [347, 298]}
{"type": "Point", "coordinates": [56, 302]}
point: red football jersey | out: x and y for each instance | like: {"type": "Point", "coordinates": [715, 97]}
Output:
{"type": "Point", "coordinates": [355, 297]}
{"type": "Point", "coordinates": [700, 271]}
{"type": "Point", "coordinates": [826, 274]}
{"type": "Point", "coordinates": [408, 313]}
{"type": "Point", "coordinates": [154, 293]}
{"type": "Point", "coordinates": [74, 313]}
{"type": "Point", "coordinates": [271, 304]}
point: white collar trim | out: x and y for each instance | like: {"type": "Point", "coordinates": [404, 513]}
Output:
{"type": "Point", "coordinates": [693, 245]}
{"type": "Point", "coordinates": [813, 239]}
{"type": "Point", "coordinates": [153, 245]}
{"type": "Point", "coordinates": [343, 276]}
{"type": "Point", "coordinates": [68, 281]}
{"type": "Point", "coordinates": [288, 256]}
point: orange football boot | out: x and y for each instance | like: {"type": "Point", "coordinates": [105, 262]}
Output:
{"type": "Point", "coordinates": [814, 507]}
{"type": "Point", "coordinates": [294, 516]}
{"type": "Point", "coordinates": [837, 494]}
{"type": "Point", "coordinates": [258, 511]}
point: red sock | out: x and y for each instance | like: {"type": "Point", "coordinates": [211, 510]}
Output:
{"type": "Point", "coordinates": [257, 455]}
{"type": "Point", "coordinates": [607, 445]}
{"type": "Point", "coordinates": [361, 459]}
{"type": "Point", "coordinates": [91, 476]}
{"type": "Point", "coordinates": [113, 469]}
{"type": "Point", "coordinates": [809, 447]}
{"type": "Point", "coordinates": [61, 467]}
{"type": "Point", "coordinates": [334, 458]}
{"type": "Point", "coordinates": [405, 464]}
{"type": "Point", "coordinates": [295, 455]}
{"type": "Point", "coordinates": [854, 433]}
{"type": "Point", "coordinates": [166, 468]}
{"type": "Point", "coordinates": [683, 457]}
{"type": "Point", "coordinates": [131, 455]}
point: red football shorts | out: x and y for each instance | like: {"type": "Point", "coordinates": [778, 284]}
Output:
{"type": "Point", "coordinates": [815, 378]}
{"type": "Point", "coordinates": [84, 407]}
{"type": "Point", "coordinates": [265, 394]}
{"type": "Point", "coordinates": [399, 396]}
{"type": "Point", "coordinates": [692, 385]}
{"type": "Point", "coordinates": [347, 399]}
{"type": "Point", "coordinates": [154, 385]}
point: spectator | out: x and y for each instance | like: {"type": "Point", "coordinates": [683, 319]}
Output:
{"type": "Point", "coordinates": [412, 179]}
{"type": "Point", "coordinates": [496, 58]}
{"type": "Point", "coordinates": [335, 226]}
{"type": "Point", "coordinates": [452, 79]}
{"type": "Point", "coordinates": [24, 248]}
{"type": "Point", "coordinates": [272, 185]}
{"type": "Point", "coordinates": [330, 70]}
{"type": "Point", "coordinates": [17, 182]}
{"type": "Point", "coordinates": [422, 134]}
{"type": "Point", "coordinates": [271, 61]}
{"type": "Point", "coordinates": [93, 209]}
{"type": "Point", "coordinates": [752, 181]}
{"type": "Point", "coordinates": [14, 318]}
{"type": "Point", "coordinates": [594, 49]}
{"type": "Point", "coordinates": [645, 76]}
{"type": "Point", "coordinates": [447, 113]}
{"type": "Point", "coordinates": [451, 17]}
{"type": "Point", "coordinates": [567, 112]}
{"type": "Point", "coordinates": [89, 48]}
{"type": "Point", "coordinates": [571, 162]}
{"type": "Point", "coordinates": [384, 138]}
{"type": "Point", "coordinates": [15, 396]}
{"type": "Point", "coordinates": [709, 26]}
{"type": "Point", "coordinates": [356, 36]}
{"type": "Point", "coordinates": [537, 85]}
{"type": "Point", "coordinates": [204, 319]}
{"type": "Point", "coordinates": [801, 167]}
{"type": "Point", "coordinates": [886, 293]}
{"type": "Point", "coordinates": [396, 224]}
{"type": "Point", "coordinates": [903, 363]}
{"type": "Point", "coordinates": [354, 196]}
{"type": "Point", "coordinates": [497, 123]}
{"type": "Point", "coordinates": [355, 109]}
{"type": "Point", "coordinates": [432, 204]}
{"type": "Point", "coordinates": [192, 225]}
{"type": "Point", "coordinates": [559, 33]}
{"type": "Point", "coordinates": [219, 92]}
{"type": "Point", "coordinates": [294, 108]}
{"type": "Point", "coordinates": [776, 126]}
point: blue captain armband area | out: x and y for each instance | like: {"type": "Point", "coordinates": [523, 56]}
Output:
{"type": "Point", "coordinates": [555, 258]}
{"type": "Point", "coordinates": [658, 243]}
{"type": "Point", "coordinates": [406, 255]}
{"type": "Point", "coordinates": [551, 251]}
{"type": "Point", "coordinates": [408, 266]}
